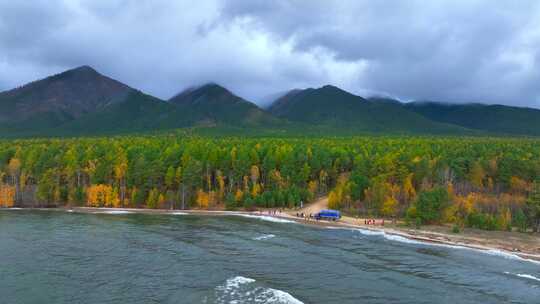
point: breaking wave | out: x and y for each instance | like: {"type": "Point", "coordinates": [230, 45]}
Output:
{"type": "Point", "coordinates": [264, 237]}
{"type": "Point", "coordinates": [178, 213]}
{"type": "Point", "coordinates": [526, 276]}
{"type": "Point", "coordinates": [403, 239]}
{"type": "Point", "coordinates": [116, 212]}
{"type": "Point", "coordinates": [506, 255]}
{"type": "Point", "coordinates": [267, 218]}
{"type": "Point", "coordinates": [246, 290]}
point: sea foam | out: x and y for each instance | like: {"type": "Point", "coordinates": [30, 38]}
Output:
{"type": "Point", "coordinates": [245, 290]}
{"type": "Point", "coordinates": [264, 237]}
{"type": "Point", "coordinates": [506, 255]}
{"type": "Point", "coordinates": [116, 212]}
{"type": "Point", "coordinates": [403, 239]}
{"type": "Point", "coordinates": [266, 218]}
{"type": "Point", "coordinates": [525, 276]}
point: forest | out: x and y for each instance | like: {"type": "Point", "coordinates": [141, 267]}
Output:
{"type": "Point", "coordinates": [486, 183]}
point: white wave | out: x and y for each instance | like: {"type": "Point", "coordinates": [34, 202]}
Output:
{"type": "Point", "coordinates": [526, 276]}
{"type": "Point", "coordinates": [271, 295]}
{"type": "Point", "coordinates": [237, 281]}
{"type": "Point", "coordinates": [371, 232]}
{"type": "Point", "coordinates": [116, 212]}
{"type": "Point", "coordinates": [178, 213]}
{"type": "Point", "coordinates": [507, 255]}
{"type": "Point", "coordinates": [11, 208]}
{"type": "Point", "coordinates": [390, 237]}
{"type": "Point", "coordinates": [266, 218]}
{"type": "Point", "coordinates": [70, 211]}
{"type": "Point", "coordinates": [245, 290]}
{"type": "Point", "coordinates": [403, 239]}
{"type": "Point", "coordinates": [264, 237]}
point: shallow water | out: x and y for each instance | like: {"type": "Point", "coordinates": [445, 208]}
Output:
{"type": "Point", "coordinates": [60, 257]}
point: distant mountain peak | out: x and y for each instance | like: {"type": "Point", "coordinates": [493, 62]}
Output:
{"type": "Point", "coordinates": [330, 87]}
{"type": "Point", "coordinates": [84, 68]}
{"type": "Point", "coordinates": [207, 92]}
{"type": "Point", "coordinates": [215, 88]}
{"type": "Point", "coordinates": [212, 103]}
{"type": "Point", "coordinates": [64, 96]}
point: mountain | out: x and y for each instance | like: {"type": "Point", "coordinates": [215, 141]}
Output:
{"type": "Point", "coordinates": [496, 119]}
{"type": "Point", "coordinates": [60, 98]}
{"type": "Point", "coordinates": [139, 112]}
{"type": "Point", "coordinates": [333, 107]}
{"type": "Point", "coordinates": [82, 101]}
{"type": "Point", "coordinates": [212, 104]}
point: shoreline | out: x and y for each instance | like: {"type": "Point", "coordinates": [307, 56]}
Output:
{"type": "Point", "coordinates": [425, 236]}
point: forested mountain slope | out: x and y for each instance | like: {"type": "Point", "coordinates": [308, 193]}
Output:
{"type": "Point", "coordinates": [498, 119]}
{"type": "Point", "coordinates": [333, 107]}
{"type": "Point", "coordinates": [82, 101]}
{"type": "Point", "coordinates": [60, 98]}
{"type": "Point", "coordinates": [212, 104]}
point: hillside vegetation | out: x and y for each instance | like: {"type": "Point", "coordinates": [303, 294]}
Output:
{"type": "Point", "coordinates": [488, 183]}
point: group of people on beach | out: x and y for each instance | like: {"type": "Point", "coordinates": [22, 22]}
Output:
{"type": "Point", "coordinates": [272, 212]}
{"type": "Point", "coordinates": [373, 222]}
{"type": "Point", "coordinates": [306, 216]}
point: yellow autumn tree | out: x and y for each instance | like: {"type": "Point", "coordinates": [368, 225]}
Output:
{"type": "Point", "coordinates": [518, 185]}
{"type": "Point", "coordinates": [312, 188]}
{"type": "Point", "coordinates": [276, 178]}
{"type": "Point", "coordinates": [115, 200]}
{"type": "Point", "coordinates": [221, 186]}
{"type": "Point", "coordinates": [152, 201]}
{"type": "Point", "coordinates": [409, 193]}
{"type": "Point", "coordinates": [477, 175]}
{"type": "Point", "coordinates": [120, 170]}
{"type": "Point", "coordinates": [340, 197]}
{"type": "Point", "coordinates": [100, 195]}
{"type": "Point", "coordinates": [161, 200]}
{"type": "Point", "coordinates": [334, 199]}
{"type": "Point", "coordinates": [202, 199]}
{"type": "Point", "coordinates": [7, 196]}
{"type": "Point", "coordinates": [255, 190]}
{"type": "Point", "coordinates": [238, 196]}
{"type": "Point", "coordinates": [246, 183]}
{"type": "Point", "coordinates": [389, 206]}
{"type": "Point", "coordinates": [254, 174]}
{"type": "Point", "coordinates": [504, 219]}
{"type": "Point", "coordinates": [14, 168]}
{"type": "Point", "coordinates": [460, 208]}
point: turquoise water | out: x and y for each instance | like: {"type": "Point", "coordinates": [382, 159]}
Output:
{"type": "Point", "coordinates": [59, 257]}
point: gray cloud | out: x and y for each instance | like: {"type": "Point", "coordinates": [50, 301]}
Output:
{"type": "Point", "coordinates": [483, 51]}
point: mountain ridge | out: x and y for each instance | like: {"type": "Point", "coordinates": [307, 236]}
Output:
{"type": "Point", "coordinates": [82, 101]}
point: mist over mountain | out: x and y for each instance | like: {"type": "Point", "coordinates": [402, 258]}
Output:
{"type": "Point", "coordinates": [335, 107]}
{"type": "Point", "coordinates": [213, 104]}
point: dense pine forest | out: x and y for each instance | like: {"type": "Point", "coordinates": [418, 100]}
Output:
{"type": "Point", "coordinates": [488, 183]}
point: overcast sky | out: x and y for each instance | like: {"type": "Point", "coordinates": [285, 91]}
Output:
{"type": "Point", "coordinates": [468, 51]}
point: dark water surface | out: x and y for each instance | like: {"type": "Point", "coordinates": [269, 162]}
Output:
{"type": "Point", "coordinates": [58, 257]}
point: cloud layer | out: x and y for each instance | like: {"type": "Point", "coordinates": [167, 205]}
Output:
{"type": "Point", "coordinates": [461, 51]}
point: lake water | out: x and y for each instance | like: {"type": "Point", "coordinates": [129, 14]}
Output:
{"type": "Point", "coordinates": [60, 257]}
